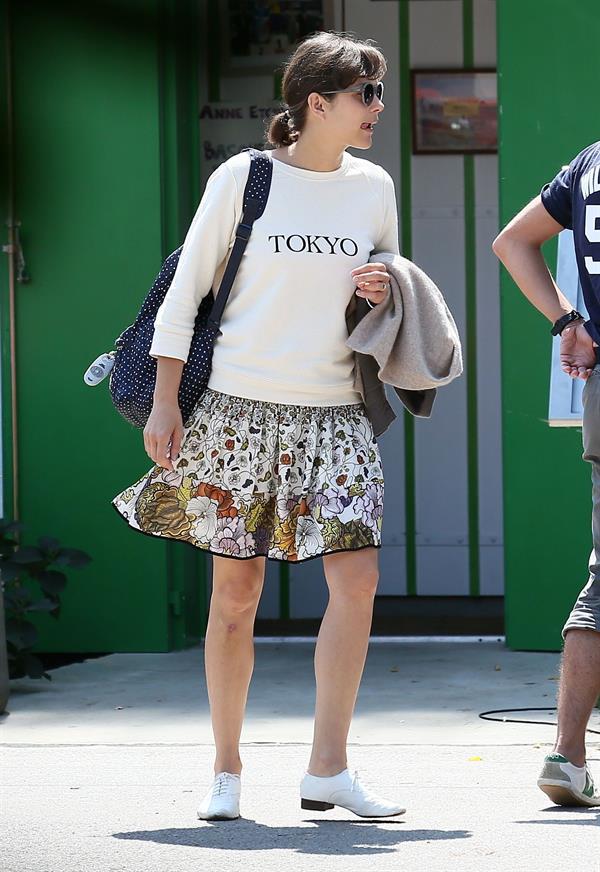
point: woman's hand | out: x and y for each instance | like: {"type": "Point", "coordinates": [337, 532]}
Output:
{"type": "Point", "coordinates": [163, 433]}
{"type": "Point", "coordinates": [373, 282]}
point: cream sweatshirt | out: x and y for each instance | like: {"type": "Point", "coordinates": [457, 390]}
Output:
{"type": "Point", "coordinates": [283, 330]}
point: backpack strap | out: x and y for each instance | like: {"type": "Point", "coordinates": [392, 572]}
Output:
{"type": "Point", "coordinates": [256, 194]}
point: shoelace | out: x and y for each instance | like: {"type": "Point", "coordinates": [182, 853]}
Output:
{"type": "Point", "coordinates": [357, 785]}
{"type": "Point", "coordinates": [221, 785]}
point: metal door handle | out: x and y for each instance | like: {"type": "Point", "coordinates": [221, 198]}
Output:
{"type": "Point", "coordinates": [21, 274]}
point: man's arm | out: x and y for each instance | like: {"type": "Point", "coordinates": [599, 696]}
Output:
{"type": "Point", "coordinates": [518, 246]}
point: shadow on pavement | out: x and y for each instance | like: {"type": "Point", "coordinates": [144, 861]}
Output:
{"type": "Point", "coordinates": [592, 815]}
{"type": "Point", "coordinates": [328, 837]}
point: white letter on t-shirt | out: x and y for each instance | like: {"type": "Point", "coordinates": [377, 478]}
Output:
{"type": "Point", "coordinates": [592, 215]}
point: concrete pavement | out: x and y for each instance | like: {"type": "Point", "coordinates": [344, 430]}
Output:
{"type": "Point", "coordinates": [104, 766]}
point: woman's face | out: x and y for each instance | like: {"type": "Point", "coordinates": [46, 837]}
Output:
{"type": "Point", "coordinates": [350, 121]}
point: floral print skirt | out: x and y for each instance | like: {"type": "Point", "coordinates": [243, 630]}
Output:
{"type": "Point", "coordinates": [255, 479]}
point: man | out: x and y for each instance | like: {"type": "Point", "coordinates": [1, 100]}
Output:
{"type": "Point", "coordinates": [572, 200]}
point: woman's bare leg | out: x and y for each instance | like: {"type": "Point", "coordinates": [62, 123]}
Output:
{"type": "Point", "coordinates": [229, 652]}
{"type": "Point", "coordinates": [340, 654]}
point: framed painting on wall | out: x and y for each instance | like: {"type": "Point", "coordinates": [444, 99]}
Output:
{"type": "Point", "coordinates": [454, 112]}
{"type": "Point", "coordinates": [257, 36]}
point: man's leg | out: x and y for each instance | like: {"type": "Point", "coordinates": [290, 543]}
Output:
{"type": "Point", "coordinates": [565, 777]}
{"type": "Point", "coordinates": [580, 670]}
{"type": "Point", "coordinates": [578, 691]}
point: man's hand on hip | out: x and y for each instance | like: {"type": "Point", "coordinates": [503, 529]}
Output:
{"type": "Point", "coordinates": [577, 352]}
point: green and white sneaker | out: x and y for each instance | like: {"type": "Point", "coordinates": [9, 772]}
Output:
{"type": "Point", "coordinates": [567, 784]}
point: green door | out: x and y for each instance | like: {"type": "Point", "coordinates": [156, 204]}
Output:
{"type": "Point", "coordinates": [545, 120]}
{"type": "Point", "coordinates": [102, 149]}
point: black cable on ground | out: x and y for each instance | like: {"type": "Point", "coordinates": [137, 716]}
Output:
{"type": "Point", "coordinates": [485, 716]}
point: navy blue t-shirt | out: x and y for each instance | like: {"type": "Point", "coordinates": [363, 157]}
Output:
{"type": "Point", "coordinates": [573, 199]}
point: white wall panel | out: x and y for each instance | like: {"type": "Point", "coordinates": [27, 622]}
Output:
{"type": "Point", "coordinates": [441, 442]}
{"type": "Point", "coordinates": [308, 590]}
{"type": "Point", "coordinates": [391, 447]}
{"type": "Point", "coordinates": [488, 358]}
{"type": "Point", "coordinates": [392, 571]}
{"type": "Point", "coordinates": [269, 601]}
{"type": "Point", "coordinates": [443, 571]}
{"type": "Point", "coordinates": [492, 570]}
{"type": "Point", "coordinates": [436, 33]}
{"type": "Point", "coordinates": [438, 246]}
{"type": "Point", "coordinates": [379, 21]}
{"type": "Point", "coordinates": [484, 21]}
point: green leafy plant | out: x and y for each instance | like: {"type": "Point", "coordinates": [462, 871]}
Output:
{"type": "Point", "coordinates": [25, 572]}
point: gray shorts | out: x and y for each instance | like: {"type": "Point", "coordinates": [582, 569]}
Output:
{"type": "Point", "coordinates": [586, 611]}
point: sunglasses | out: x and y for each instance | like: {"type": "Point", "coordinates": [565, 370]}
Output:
{"type": "Point", "coordinates": [367, 90]}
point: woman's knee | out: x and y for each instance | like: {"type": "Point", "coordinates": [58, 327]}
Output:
{"type": "Point", "coordinates": [355, 576]}
{"type": "Point", "coordinates": [364, 587]}
{"type": "Point", "coordinates": [237, 588]}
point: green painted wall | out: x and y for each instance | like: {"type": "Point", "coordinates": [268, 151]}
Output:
{"type": "Point", "coordinates": [548, 102]}
{"type": "Point", "coordinates": [104, 145]}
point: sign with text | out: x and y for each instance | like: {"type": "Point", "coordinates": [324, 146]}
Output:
{"type": "Point", "coordinates": [227, 128]}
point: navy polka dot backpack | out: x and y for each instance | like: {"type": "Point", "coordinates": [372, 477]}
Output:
{"type": "Point", "coordinates": [132, 370]}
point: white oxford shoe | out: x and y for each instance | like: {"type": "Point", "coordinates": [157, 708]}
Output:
{"type": "Point", "coordinates": [321, 793]}
{"type": "Point", "coordinates": [222, 802]}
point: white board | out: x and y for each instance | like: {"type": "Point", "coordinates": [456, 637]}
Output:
{"type": "Point", "coordinates": [565, 392]}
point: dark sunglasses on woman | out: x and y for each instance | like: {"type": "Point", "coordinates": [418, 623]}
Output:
{"type": "Point", "coordinates": [367, 90]}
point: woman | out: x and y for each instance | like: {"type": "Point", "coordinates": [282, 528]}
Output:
{"type": "Point", "coordinates": [279, 460]}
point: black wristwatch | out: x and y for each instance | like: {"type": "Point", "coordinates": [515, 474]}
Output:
{"type": "Point", "coordinates": [559, 326]}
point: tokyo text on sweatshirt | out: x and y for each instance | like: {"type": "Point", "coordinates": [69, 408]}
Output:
{"type": "Point", "coordinates": [283, 330]}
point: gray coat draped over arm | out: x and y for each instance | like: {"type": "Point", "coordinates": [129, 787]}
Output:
{"type": "Point", "coordinates": [409, 341]}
